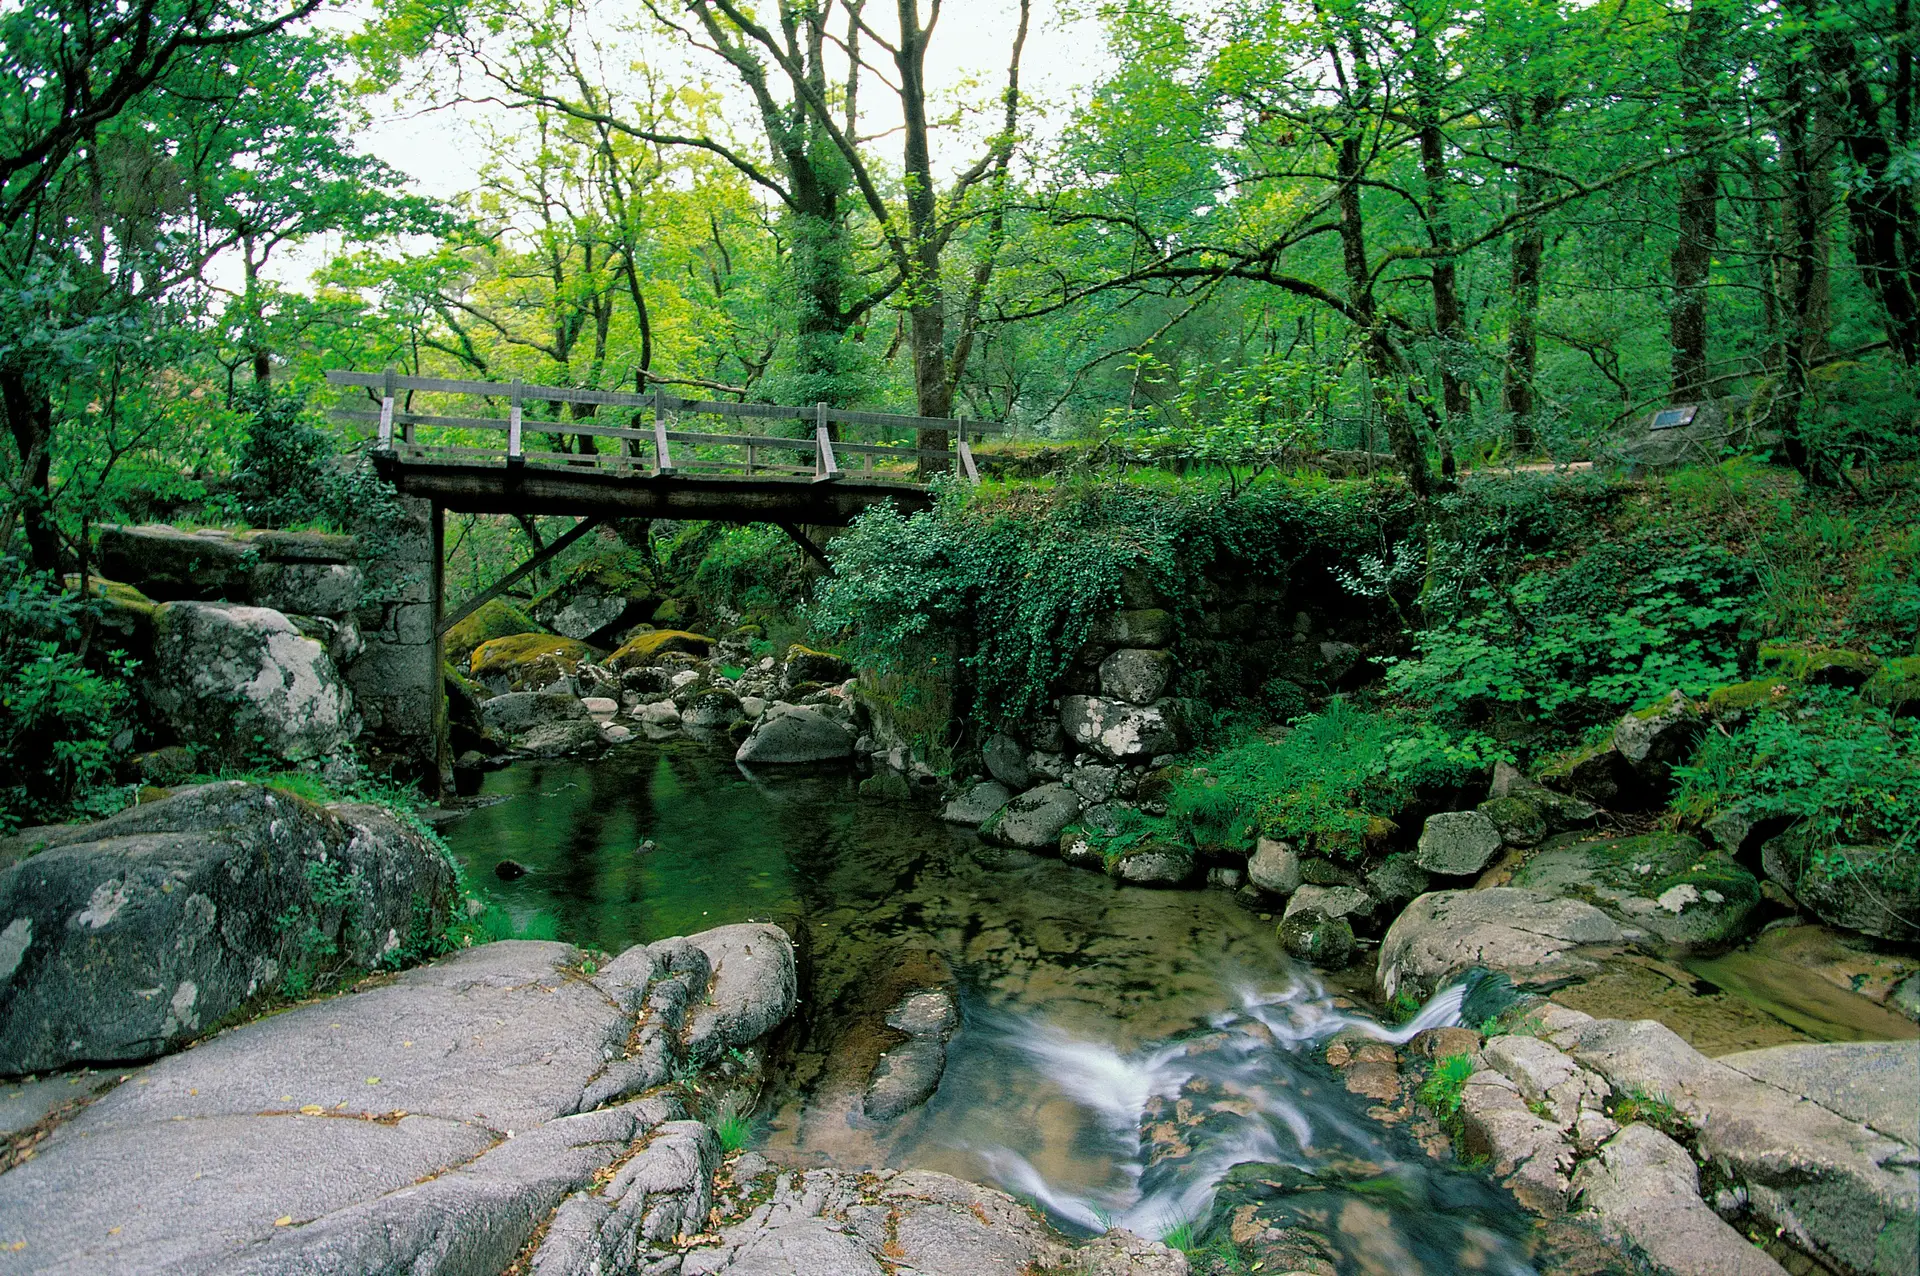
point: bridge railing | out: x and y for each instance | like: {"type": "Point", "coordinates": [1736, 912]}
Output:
{"type": "Point", "coordinates": [657, 441]}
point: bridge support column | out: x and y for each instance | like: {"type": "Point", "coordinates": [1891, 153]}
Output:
{"type": "Point", "coordinates": [396, 680]}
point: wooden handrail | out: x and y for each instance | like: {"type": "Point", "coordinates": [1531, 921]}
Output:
{"type": "Point", "coordinates": [659, 400]}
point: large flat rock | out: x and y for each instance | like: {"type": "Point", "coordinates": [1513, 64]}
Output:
{"type": "Point", "coordinates": [1530, 936]}
{"type": "Point", "coordinates": [424, 1125]}
{"type": "Point", "coordinates": [1876, 1083]}
{"type": "Point", "coordinates": [1643, 1188]}
{"type": "Point", "coordinates": [1838, 1187]}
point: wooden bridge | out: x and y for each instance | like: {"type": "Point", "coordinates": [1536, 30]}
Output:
{"type": "Point", "coordinates": [431, 443]}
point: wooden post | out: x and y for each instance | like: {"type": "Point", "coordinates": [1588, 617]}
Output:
{"type": "Point", "coordinates": [406, 431]}
{"type": "Point", "coordinates": [749, 460]}
{"type": "Point", "coordinates": [966, 453]}
{"type": "Point", "coordinates": [386, 415]}
{"type": "Point", "coordinates": [825, 467]}
{"type": "Point", "coordinates": [514, 455]}
{"type": "Point", "coordinates": [662, 454]}
{"type": "Point", "coordinates": [440, 783]}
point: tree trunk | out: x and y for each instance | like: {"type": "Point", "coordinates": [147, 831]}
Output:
{"type": "Point", "coordinates": [30, 421]}
{"type": "Point", "coordinates": [1880, 208]}
{"type": "Point", "coordinates": [925, 299]}
{"type": "Point", "coordinates": [1528, 119]}
{"type": "Point", "coordinates": [1384, 365]}
{"type": "Point", "coordinates": [1692, 259]}
{"type": "Point", "coordinates": [1449, 316]}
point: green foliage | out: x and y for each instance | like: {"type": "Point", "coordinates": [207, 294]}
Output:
{"type": "Point", "coordinates": [750, 568]}
{"type": "Point", "coordinates": [288, 471]}
{"type": "Point", "coordinates": [1565, 647]}
{"type": "Point", "coordinates": [1181, 1236]}
{"type": "Point", "coordinates": [315, 924]}
{"type": "Point", "coordinates": [1018, 576]}
{"type": "Point", "coordinates": [1840, 770]}
{"type": "Point", "coordinates": [733, 1128]}
{"type": "Point", "coordinates": [1630, 1104]}
{"type": "Point", "coordinates": [1446, 1085]}
{"type": "Point", "coordinates": [62, 717]}
{"type": "Point", "coordinates": [1326, 782]}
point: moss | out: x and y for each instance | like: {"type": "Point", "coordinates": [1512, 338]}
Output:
{"type": "Point", "coordinates": [610, 572]}
{"type": "Point", "coordinates": [1822, 666]}
{"type": "Point", "coordinates": [1743, 698]}
{"type": "Point", "coordinates": [464, 683]}
{"type": "Point", "coordinates": [674, 613]}
{"type": "Point", "coordinates": [1363, 833]}
{"type": "Point", "coordinates": [644, 649]}
{"type": "Point", "coordinates": [1896, 687]}
{"type": "Point", "coordinates": [1521, 823]}
{"type": "Point", "coordinates": [496, 618]}
{"type": "Point", "coordinates": [529, 661]}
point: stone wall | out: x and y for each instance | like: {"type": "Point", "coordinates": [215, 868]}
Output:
{"type": "Point", "coordinates": [369, 598]}
{"type": "Point", "coordinates": [396, 679]}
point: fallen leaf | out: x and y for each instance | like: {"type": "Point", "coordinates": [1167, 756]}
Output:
{"type": "Point", "coordinates": [283, 1221]}
{"type": "Point", "coordinates": [312, 1109]}
{"type": "Point", "coordinates": [113, 1231]}
{"type": "Point", "coordinates": [373, 1080]}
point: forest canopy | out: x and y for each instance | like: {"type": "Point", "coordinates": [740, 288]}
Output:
{"type": "Point", "coordinates": [1461, 234]}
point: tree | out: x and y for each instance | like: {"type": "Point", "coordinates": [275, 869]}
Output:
{"type": "Point", "coordinates": [92, 204]}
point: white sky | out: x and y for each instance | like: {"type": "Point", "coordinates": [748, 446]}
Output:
{"type": "Point", "coordinates": [442, 149]}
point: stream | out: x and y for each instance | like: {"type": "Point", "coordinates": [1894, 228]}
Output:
{"type": "Point", "coordinates": [1120, 1050]}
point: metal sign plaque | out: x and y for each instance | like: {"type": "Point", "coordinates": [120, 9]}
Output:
{"type": "Point", "coordinates": [1670, 418]}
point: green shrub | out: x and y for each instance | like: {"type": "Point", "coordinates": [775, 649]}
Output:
{"type": "Point", "coordinates": [1015, 577]}
{"type": "Point", "coordinates": [64, 719]}
{"type": "Point", "coordinates": [289, 472]}
{"type": "Point", "coordinates": [1446, 1085]}
{"type": "Point", "coordinates": [1840, 770]}
{"type": "Point", "coordinates": [1327, 781]}
{"type": "Point", "coordinates": [1566, 647]}
{"type": "Point", "coordinates": [751, 568]}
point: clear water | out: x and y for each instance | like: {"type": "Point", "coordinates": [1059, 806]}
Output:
{"type": "Point", "coordinates": [1120, 1049]}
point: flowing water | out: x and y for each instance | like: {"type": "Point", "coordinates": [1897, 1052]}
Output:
{"type": "Point", "coordinates": [1120, 1050]}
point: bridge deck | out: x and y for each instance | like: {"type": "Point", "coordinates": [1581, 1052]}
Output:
{"type": "Point", "coordinates": [469, 487]}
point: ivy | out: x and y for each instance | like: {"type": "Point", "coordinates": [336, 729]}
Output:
{"type": "Point", "coordinates": [1010, 582]}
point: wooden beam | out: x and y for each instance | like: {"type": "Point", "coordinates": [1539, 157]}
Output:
{"type": "Point", "coordinates": [507, 582]}
{"type": "Point", "coordinates": [812, 550]}
{"type": "Point", "coordinates": [594, 490]}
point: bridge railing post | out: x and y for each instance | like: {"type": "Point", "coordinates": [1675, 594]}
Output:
{"type": "Point", "coordinates": [825, 467]}
{"type": "Point", "coordinates": [514, 453]}
{"type": "Point", "coordinates": [662, 454]}
{"type": "Point", "coordinates": [966, 452]}
{"type": "Point", "coordinates": [386, 414]}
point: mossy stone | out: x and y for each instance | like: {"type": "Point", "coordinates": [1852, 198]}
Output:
{"type": "Point", "coordinates": [674, 613]}
{"type": "Point", "coordinates": [886, 786]}
{"type": "Point", "coordinates": [646, 649]}
{"type": "Point", "coordinates": [1896, 687]}
{"type": "Point", "coordinates": [1689, 895]}
{"type": "Point", "coordinates": [614, 572]}
{"type": "Point", "coordinates": [1821, 666]}
{"type": "Point", "coordinates": [1744, 698]}
{"type": "Point", "coordinates": [528, 662]}
{"type": "Point", "coordinates": [1312, 936]}
{"type": "Point", "coordinates": [1520, 822]}
{"type": "Point", "coordinates": [496, 618]}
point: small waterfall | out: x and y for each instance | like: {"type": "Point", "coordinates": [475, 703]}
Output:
{"type": "Point", "coordinates": [1172, 1120]}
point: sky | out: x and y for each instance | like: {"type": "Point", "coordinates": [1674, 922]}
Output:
{"type": "Point", "coordinates": [442, 149]}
